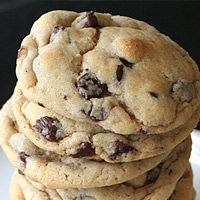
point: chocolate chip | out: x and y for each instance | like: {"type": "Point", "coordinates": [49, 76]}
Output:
{"type": "Point", "coordinates": [48, 127]}
{"type": "Point", "coordinates": [152, 175]}
{"type": "Point", "coordinates": [23, 156]}
{"type": "Point", "coordinates": [84, 196]}
{"type": "Point", "coordinates": [40, 104]}
{"type": "Point", "coordinates": [97, 111]}
{"type": "Point", "coordinates": [170, 172]}
{"type": "Point", "coordinates": [91, 20]}
{"type": "Point", "coordinates": [119, 72]}
{"type": "Point", "coordinates": [81, 197]}
{"type": "Point", "coordinates": [65, 97]}
{"type": "Point", "coordinates": [86, 112]}
{"type": "Point", "coordinates": [99, 115]}
{"type": "Point", "coordinates": [84, 149]}
{"type": "Point", "coordinates": [20, 172]}
{"type": "Point", "coordinates": [143, 131]}
{"type": "Point", "coordinates": [89, 86]}
{"type": "Point", "coordinates": [56, 30]}
{"type": "Point", "coordinates": [183, 91]}
{"type": "Point", "coordinates": [153, 94]}
{"type": "Point", "coordinates": [126, 62]}
{"type": "Point", "coordinates": [22, 52]}
{"type": "Point", "coordinates": [120, 148]}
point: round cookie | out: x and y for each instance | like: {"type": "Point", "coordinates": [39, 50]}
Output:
{"type": "Point", "coordinates": [115, 71]}
{"type": "Point", "coordinates": [161, 180]}
{"type": "Point", "coordinates": [56, 171]}
{"type": "Point", "coordinates": [179, 193]}
{"type": "Point", "coordinates": [53, 132]}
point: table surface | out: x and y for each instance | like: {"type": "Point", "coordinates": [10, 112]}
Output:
{"type": "Point", "coordinates": [7, 170]}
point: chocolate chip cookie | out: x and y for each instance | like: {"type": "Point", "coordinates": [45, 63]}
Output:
{"type": "Point", "coordinates": [61, 171]}
{"type": "Point", "coordinates": [114, 71]}
{"type": "Point", "coordinates": [53, 132]}
{"type": "Point", "coordinates": [161, 180]}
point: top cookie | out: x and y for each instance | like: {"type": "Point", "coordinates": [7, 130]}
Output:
{"type": "Point", "coordinates": [111, 70]}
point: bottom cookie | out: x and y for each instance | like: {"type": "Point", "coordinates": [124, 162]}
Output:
{"type": "Point", "coordinates": [24, 189]}
{"type": "Point", "coordinates": [184, 189]}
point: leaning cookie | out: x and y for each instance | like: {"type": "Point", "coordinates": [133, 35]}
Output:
{"type": "Point", "coordinates": [158, 183]}
{"type": "Point", "coordinates": [105, 69]}
{"type": "Point", "coordinates": [53, 132]}
{"type": "Point", "coordinates": [56, 171]}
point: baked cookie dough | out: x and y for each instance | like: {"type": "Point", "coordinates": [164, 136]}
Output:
{"type": "Point", "coordinates": [57, 171]}
{"type": "Point", "coordinates": [117, 72]}
{"type": "Point", "coordinates": [53, 132]}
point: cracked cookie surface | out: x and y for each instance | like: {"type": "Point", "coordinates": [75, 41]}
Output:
{"type": "Point", "coordinates": [114, 71]}
{"type": "Point", "coordinates": [53, 132]}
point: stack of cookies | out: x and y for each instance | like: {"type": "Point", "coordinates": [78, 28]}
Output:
{"type": "Point", "coordinates": [102, 110]}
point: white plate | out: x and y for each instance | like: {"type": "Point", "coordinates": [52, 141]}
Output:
{"type": "Point", "coordinates": [6, 169]}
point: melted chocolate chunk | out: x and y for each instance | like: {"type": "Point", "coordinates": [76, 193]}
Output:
{"type": "Point", "coordinates": [65, 97]}
{"type": "Point", "coordinates": [56, 30]}
{"type": "Point", "coordinates": [152, 175]}
{"type": "Point", "coordinates": [89, 86]}
{"type": "Point", "coordinates": [153, 94]}
{"type": "Point", "coordinates": [96, 115]}
{"type": "Point", "coordinates": [83, 196]}
{"type": "Point", "coordinates": [20, 172]}
{"type": "Point", "coordinates": [91, 20]}
{"type": "Point", "coordinates": [40, 104]}
{"type": "Point", "coordinates": [100, 116]}
{"type": "Point", "coordinates": [84, 149]}
{"type": "Point", "coordinates": [85, 112]}
{"type": "Point", "coordinates": [143, 131]}
{"type": "Point", "coordinates": [119, 72]}
{"type": "Point", "coordinates": [120, 148]}
{"type": "Point", "coordinates": [23, 156]}
{"type": "Point", "coordinates": [126, 62]}
{"type": "Point", "coordinates": [48, 127]}
{"type": "Point", "coordinates": [170, 172]}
